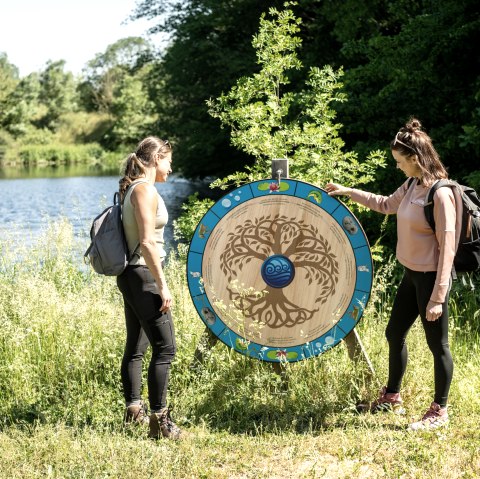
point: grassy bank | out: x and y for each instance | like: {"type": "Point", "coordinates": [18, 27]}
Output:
{"type": "Point", "coordinates": [61, 341]}
{"type": "Point", "coordinates": [59, 155]}
{"type": "Point", "coordinates": [52, 154]}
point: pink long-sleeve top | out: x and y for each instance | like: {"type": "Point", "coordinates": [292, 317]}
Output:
{"type": "Point", "coordinates": [418, 247]}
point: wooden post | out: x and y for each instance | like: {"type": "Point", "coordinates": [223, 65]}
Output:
{"type": "Point", "coordinates": [356, 350]}
{"type": "Point", "coordinates": [207, 341]}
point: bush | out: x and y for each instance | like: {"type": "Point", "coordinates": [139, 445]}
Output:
{"type": "Point", "coordinates": [58, 154]}
{"type": "Point", "coordinates": [81, 127]}
{"type": "Point", "coordinates": [194, 209]}
{"type": "Point", "coordinates": [473, 180]}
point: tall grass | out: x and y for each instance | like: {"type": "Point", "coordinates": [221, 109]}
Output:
{"type": "Point", "coordinates": [61, 342]}
{"type": "Point", "coordinates": [59, 154]}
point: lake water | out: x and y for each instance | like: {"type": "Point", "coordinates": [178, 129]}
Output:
{"type": "Point", "coordinates": [29, 203]}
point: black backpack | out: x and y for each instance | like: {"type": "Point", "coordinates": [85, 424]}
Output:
{"type": "Point", "coordinates": [467, 257]}
{"type": "Point", "coordinates": [108, 252]}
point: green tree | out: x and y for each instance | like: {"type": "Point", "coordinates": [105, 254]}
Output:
{"type": "Point", "coordinates": [406, 58]}
{"type": "Point", "coordinates": [57, 93]}
{"type": "Point", "coordinates": [106, 70]}
{"type": "Point", "coordinates": [8, 76]}
{"type": "Point", "coordinates": [210, 48]}
{"type": "Point", "coordinates": [269, 119]}
{"type": "Point", "coordinates": [21, 108]}
{"type": "Point", "coordinates": [8, 82]}
{"type": "Point", "coordinates": [400, 58]}
{"type": "Point", "coordinates": [133, 111]}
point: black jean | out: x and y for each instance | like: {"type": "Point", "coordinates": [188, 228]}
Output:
{"type": "Point", "coordinates": [411, 300]}
{"type": "Point", "coordinates": [145, 325]}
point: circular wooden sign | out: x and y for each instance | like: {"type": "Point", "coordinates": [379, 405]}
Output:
{"type": "Point", "coordinates": [279, 271]}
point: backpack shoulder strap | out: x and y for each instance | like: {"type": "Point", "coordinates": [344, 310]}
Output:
{"type": "Point", "coordinates": [410, 181]}
{"type": "Point", "coordinates": [428, 207]}
{"type": "Point", "coordinates": [131, 186]}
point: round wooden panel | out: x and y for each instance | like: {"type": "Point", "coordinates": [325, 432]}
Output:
{"type": "Point", "coordinates": [280, 272]}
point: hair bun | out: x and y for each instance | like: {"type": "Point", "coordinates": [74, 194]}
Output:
{"type": "Point", "coordinates": [413, 125]}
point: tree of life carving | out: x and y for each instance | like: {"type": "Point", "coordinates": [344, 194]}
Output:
{"type": "Point", "coordinates": [297, 240]}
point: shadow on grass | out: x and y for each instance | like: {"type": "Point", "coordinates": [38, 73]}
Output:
{"type": "Point", "coordinates": [23, 416]}
{"type": "Point", "coordinates": [255, 398]}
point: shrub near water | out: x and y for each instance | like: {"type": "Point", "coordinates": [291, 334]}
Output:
{"type": "Point", "coordinates": [60, 335]}
{"type": "Point", "coordinates": [54, 154]}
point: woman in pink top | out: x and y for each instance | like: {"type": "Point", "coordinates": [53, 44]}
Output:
{"type": "Point", "coordinates": [427, 257]}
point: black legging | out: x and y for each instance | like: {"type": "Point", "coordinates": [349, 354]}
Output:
{"type": "Point", "coordinates": [145, 325]}
{"type": "Point", "coordinates": [411, 300]}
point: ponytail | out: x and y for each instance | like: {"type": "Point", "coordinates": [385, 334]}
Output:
{"type": "Point", "coordinates": [134, 169]}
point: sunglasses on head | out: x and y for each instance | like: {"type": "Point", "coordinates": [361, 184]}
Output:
{"type": "Point", "coordinates": [396, 140]}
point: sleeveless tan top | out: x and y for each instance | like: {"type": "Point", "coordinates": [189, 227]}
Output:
{"type": "Point", "coordinates": [131, 229]}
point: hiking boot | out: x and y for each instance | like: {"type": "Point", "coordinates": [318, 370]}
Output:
{"type": "Point", "coordinates": [387, 402]}
{"type": "Point", "coordinates": [161, 425]}
{"type": "Point", "coordinates": [136, 414]}
{"type": "Point", "coordinates": [435, 417]}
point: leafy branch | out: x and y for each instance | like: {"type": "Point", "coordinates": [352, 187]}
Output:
{"type": "Point", "coordinates": [269, 118]}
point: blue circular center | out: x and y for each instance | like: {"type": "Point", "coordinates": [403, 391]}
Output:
{"type": "Point", "coordinates": [278, 271]}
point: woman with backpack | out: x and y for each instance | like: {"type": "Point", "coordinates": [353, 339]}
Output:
{"type": "Point", "coordinates": [147, 299]}
{"type": "Point", "coordinates": [427, 257]}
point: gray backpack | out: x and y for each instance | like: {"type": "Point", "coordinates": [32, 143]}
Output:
{"type": "Point", "coordinates": [108, 252]}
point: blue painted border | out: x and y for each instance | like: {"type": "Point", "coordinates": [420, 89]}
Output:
{"type": "Point", "coordinates": [353, 231]}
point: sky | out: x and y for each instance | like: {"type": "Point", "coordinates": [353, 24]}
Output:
{"type": "Point", "coordinates": [35, 31]}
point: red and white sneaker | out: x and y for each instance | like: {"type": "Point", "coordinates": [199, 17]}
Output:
{"type": "Point", "coordinates": [386, 402]}
{"type": "Point", "coordinates": [436, 416]}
